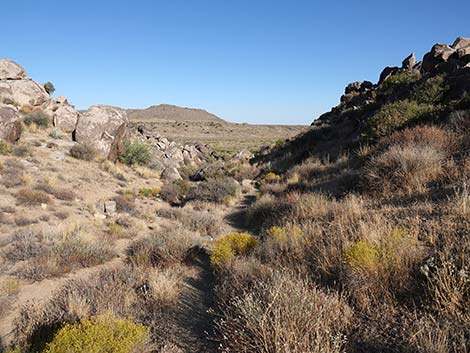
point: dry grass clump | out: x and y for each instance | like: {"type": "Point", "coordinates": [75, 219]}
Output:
{"type": "Point", "coordinates": [164, 248]}
{"type": "Point", "coordinates": [83, 152]}
{"type": "Point", "coordinates": [59, 193]}
{"type": "Point", "coordinates": [30, 197]}
{"type": "Point", "coordinates": [36, 256]}
{"type": "Point", "coordinates": [460, 202]}
{"type": "Point", "coordinates": [205, 222]}
{"type": "Point", "coordinates": [284, 313]}
{"type": "Point", "coordinates": [405, 169]}
{"type": "Point", "coordinates": [407, 161]}
{"type": "Point", "coordinates": [12, 174]}
{"type": "Point", "coordinates": [214, 190]}
{"type": "Point", "coordinates": [9, 288]}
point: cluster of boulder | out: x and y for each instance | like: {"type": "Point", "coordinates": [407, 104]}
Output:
{"type": "Point", "coordinates": [169, 156]}
{"type": "Point", "coordinates": [449, 61]}
{"type": "Point", "coordinates": [104, 128]}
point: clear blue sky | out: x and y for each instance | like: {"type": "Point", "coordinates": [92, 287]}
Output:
{"type": "Point", "coordinates": [261, 61]}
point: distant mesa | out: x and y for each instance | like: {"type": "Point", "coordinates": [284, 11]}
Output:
{"type": "Point", "coordinates": [172, 112]}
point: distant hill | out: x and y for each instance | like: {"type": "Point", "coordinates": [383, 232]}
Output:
{"type": "Point", "coordinates": [171, 112]}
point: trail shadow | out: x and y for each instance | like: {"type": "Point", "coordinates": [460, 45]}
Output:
{"type": "Point", "coordinates": [236, 218]}
{"type": "Point", "coordinates": [194, 320]}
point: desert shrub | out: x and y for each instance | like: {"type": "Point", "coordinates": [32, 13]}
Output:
{"type": "Point", "coordinates": [362, 256]}
{"type": "Point", "coordinates": [431, 91]}
{"type": "Point", "coordinates": [12, 174]}
{"type": "Point", "coordinates": [385, 269]}
{"type": "Point", "coordinates": [83, 152]}
{"type": "Point", "coordinates": [21, 151]}
{"type": "Point", "coordinates": [49, 87]}
{"type": "Point", "coordinates": [205, 222]}
{"type": "Point", "coordinates": [397, 82]}
{"type": "Point", "coordinates": [149, 192]}
{"type": "Point", "coordinates": [393, 116]}
{"type": "Point", "coordinates": [62, 256]}
{"type": "Point", "coordinates": [24, 246]}
{"type": "Point", "coordinates": [5, 148]}
{"type": "Point", "coordinates": [213, 190]}
{"type": "Point", "coordinates": [124, 204]}
{"type": "Point", "coordinates": [404, 168]}
{"type": "Point", "coordinates": [100, 334]}
{"type": "Point", "coordinates": [231, 245]}
{"type": "Point", "coordinates": [28, 196]}
{"type": "Point", "coordinates": [270, 178]}
{"type": "Point", "coordinates": [23, 221]}
{"type": "Point", "coordinates": [37, 118]}
{"type": "Point", "coordinates": [63, 194]}
{"type": "Point", "coordinates": [55, 134]}
{"type": "Point", "coordinates": [136, 152]}
{"type": "Point", "coordinates": [164, 248]}
{"type": "Point", "coordinates": [424, 135]}
{"type": "Point", "coordinates": [283, 314]}
{"type": "Point", "coordinates": [174, 192]}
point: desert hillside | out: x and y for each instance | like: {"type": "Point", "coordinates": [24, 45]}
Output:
{"type": "Point", "coordinates": [121, 234]}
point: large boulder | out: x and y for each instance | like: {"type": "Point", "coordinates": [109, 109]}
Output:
{"type": "Point", "coordinates": [439, 53]}
{"type": "Point", "coordinates": [409, 63]}
{"type": "Point", "coordinates": [104, 128]}
{"type": "Point", "coordinates": [10, 123]}
{"type": "Point", "coordinates": [18, 89]}
{"type": "Point", "coordinates": [9, 70]}
{"type": "Point", "coordinates": [65, 118]}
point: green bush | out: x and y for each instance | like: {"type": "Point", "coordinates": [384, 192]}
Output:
{"type": "Point", "coordinates": [49, 87]}
{"type": "Point", "coordinates": [136, 152]}
{"type": "Point", "coordinates": [431, 91]}
{"type": "Point", "coordinates": [397, 82]}
{"type": "Point", "coordinates": [230, 245]}
{"type": "Point", "coordinates": [395, 115]}
{"type": "Point", "coordinates": [38, 118]}
{"type": "Point", "coordinates": [83, 152]}
{"type": "Point", "coordinates": [103, 334]}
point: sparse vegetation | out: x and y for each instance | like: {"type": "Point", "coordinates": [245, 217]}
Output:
{"type": "Point", "coordinates": [37, 118]}
{"type": "Point", "coordinates": [83, 152]}
{"type": "Point", "coordinates": [136, 153]}
{"type": "Point", "coordinates": [213, 190]}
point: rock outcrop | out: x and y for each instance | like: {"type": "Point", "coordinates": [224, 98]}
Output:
{"type": "Point", "coordinates": [18, 89]}
{"type": "Point", "coordinates": [10, 123]}
{"type": "Point", "coordinates": [104, 128]}
{"type": "Point", "coordinates": [168, 155]}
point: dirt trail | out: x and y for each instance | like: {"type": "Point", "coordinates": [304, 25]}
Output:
{"type": "Point", "coordinates": [235, 217]}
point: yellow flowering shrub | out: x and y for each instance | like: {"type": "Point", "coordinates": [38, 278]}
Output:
{"type": "Point", "coordinates": [230, 245]}
{"type": "Point", "coordinates": [103, 334]}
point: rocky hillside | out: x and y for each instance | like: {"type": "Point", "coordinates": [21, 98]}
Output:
{"type": "Point", "coordinates": [173, 113]}
{"type": "Point", "coordinates": [104, 129]}
{"type": "Point", "coordinates": [429, 91]}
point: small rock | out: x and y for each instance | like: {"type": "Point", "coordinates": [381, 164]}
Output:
{"type": "Point", "coordinates": [44, 206]}
{"type": "Point", "coordinates": [99, 216]}
{"type": "Point", "coordinates": [247, 183]}
{"type": "Point", "coordinates": [110, 207]}
{"type": "Point", "coordinates": [171, 174]}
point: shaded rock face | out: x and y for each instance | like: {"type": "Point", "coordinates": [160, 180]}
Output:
{"type": "Point", "coordinates": [10, 123]}
{"type": "Point", "coordinates": [447, 59]}
{"type": "Point", "coordinates": [18, 89]}
{"type": "Point", "coordinates": [104, 128]}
